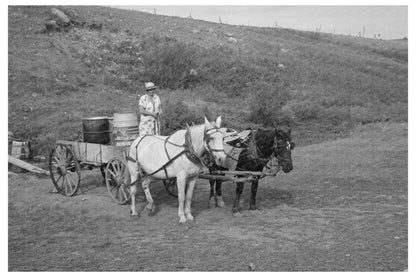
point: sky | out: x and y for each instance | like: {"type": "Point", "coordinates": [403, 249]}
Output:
{"type": "Point", "coordinates": [391, 22]}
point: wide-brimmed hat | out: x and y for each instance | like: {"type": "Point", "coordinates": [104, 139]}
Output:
{"type": "Point", "coordinates": [149, 86]}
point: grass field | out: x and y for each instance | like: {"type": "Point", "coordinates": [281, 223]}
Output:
{"type": "Point", "coordinates": [342, 208]}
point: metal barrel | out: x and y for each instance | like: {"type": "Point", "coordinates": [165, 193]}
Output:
{"type": "Point", "coordinates": [96, 130]}
{"type": "Point", "coordinates": [125, 128]}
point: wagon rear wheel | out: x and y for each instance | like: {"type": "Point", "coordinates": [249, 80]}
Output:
{"type": "Point", "coordinates": [171, 187]}
{"type": "Point", "coordinates": [64, 169]}
{"type": "Point", "coordinates": [117, 180]}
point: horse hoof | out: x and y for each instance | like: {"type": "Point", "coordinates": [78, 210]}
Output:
{"type": "Point", "coordinates": [150, 207]}
{"type": "Point", "coordinates": [255, 212]}
{"type": "Point", "coordinates": [182, 220]}
{"type": "Point", "coordinates": [220, 204]}
{"type": "Point", "coordinates": [211, 203]}
{"type": "Point", "coordinates": [189, 217]}
{"type": "Point", "coordinates": [133, 214]}
{"type": "Point", "coordinates": [237, 214]}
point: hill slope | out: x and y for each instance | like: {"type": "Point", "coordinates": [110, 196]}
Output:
{"type": "Point", "coordinates": [321, 85]}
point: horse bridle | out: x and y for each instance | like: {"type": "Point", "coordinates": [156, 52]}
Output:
{"type": "Point", "coordinates": [207, 138]}
{"type": "Point", "coordinates": [276, 146]}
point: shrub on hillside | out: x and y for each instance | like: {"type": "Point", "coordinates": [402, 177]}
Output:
{"type": "Point", "coordinates": [176, 115]}
{"type": "Point", "coordinates": [306, 111]}
{"type": "Point", "coordinates": [267, 104]}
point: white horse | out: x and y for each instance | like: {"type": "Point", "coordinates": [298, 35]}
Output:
{"type": "Point", "coordinates": [178, 155]}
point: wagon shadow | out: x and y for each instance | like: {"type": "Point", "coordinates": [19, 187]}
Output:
{"type": "Point", "coordinates": [91, 182]}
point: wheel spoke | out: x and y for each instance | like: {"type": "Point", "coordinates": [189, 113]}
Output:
{"type": "Point", "coordinates": [116, 167]}
{"type": "Point", "coordinates": [58, 161]}
{"type": "Point", "coordinates": [57, 180]}
{"type": "Point", "coordinates": [112, 173]}
{"type": "Point", "coordinates": [124, 193]}
{"type": "Point", "coordinates": [64, 185]}
{"type": "Point", "coordinates": [118, 193]}
{"type": "Point", "coordinates": [113, 187]}
{"type": "Point", "coordinates": [72, 179]}
{"type": "Point", "coordinates": [54, 164]}
{"type": "Point", "coordinates": [68, 183]}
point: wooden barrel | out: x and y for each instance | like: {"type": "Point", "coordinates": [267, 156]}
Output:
{"type": "Point", "coordinates": [21, 150]}
{"type": "Point", "coordinates": [125, 128]}
{"type": "Point", "coordinates": [96, 130]}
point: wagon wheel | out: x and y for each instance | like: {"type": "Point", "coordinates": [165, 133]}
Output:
{"type": "Point", "coordinates": [117, 180]}
{"type": "Point", "coordinates": [171, 187]}
{"type": "Point", "coordinates": [64, 169]}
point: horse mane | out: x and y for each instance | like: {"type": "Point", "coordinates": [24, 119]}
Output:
{"type": "Point", "coordinates": [195, 137]}
{"type": "Point", "coordinates": [264, 139]}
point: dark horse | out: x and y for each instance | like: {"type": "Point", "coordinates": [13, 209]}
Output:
{"type": "Point", "coordinates": [256, 154]}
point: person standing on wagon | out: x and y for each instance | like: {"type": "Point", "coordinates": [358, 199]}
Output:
{"type": "Point", "coordinates": [149, 111]}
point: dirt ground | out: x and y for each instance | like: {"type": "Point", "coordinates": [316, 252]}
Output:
{"type": "Point", "coordinates": [343, 208]}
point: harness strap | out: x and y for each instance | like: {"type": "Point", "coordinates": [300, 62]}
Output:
{"type": "Point", "coordinates": [166, 150]}
{"type": "Point", "coordinates": [188, 151]}
{"type": "Point", "coordinates": [166, 164]}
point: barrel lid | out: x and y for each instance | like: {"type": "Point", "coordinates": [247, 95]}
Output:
{"type": "Point", "coordinates": [95, 118]}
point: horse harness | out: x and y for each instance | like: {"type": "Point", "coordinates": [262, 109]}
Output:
{"type": "Point", "coordinates": [254, 151]}
{"type": "Point", "coordinates": [188, 149]}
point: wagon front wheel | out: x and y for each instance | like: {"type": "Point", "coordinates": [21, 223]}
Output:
{"type": "Point", "coordinates": [117, 180]}
{"type": "Point", "coordinates": [64, 169]}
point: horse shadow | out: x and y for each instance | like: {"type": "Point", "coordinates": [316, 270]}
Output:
{"type": "Point", "coordinates": [268, 197]}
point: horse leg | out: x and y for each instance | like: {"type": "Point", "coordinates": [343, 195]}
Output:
{"type": "Point", "coordinates": [254, 185]}
{"type": "Point", "coordinates": [145, 185]}
{"type": "Point", "coordinates": [181, 183]}
{"type": "Point", "coordinates": [188, 199]}
{"type": "Point", "coordinates": [238, 191]}
{"type": "Point", "coordinates": [218, 195]}
{"type": "Point", "coordinates": [211, 202]}
{"type": "Point", "coordinates": [134, 174]}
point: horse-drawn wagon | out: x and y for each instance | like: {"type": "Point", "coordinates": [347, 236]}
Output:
{"type": "Point", "coordinates": [124, 166]}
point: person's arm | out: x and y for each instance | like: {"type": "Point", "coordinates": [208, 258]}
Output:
{"type": "Point", "coordinates": [142, 104]}
{"type": "Point", "coordinates": [144, 112]}
{"type": "Point", "coordinates": [159, 106]}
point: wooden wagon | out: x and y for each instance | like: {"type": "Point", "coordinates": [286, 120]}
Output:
{"type": "Point", "coordinates": [67, 158]}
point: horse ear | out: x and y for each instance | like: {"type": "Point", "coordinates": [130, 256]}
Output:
{"type": "Point", "coordinates": [218, 122]}
{"type": "Point", "coordinates": [206, 121]}
{"type": "Point", "coordinates": [278, 132]}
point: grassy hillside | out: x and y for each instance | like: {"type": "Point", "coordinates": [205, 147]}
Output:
{"type": "Point", "coordinates": [321, 85]}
